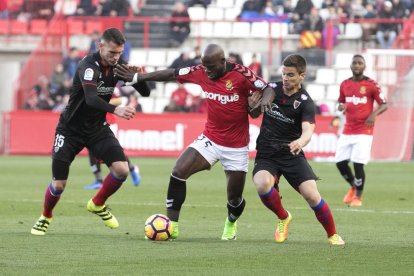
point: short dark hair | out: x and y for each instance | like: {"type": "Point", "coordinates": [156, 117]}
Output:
{"type": "Point", "coordinates": [297, 61]}
{"type": "Point", "coordinates": [114, 35]}
{"type": "Point", "coordinates": [358, 56]}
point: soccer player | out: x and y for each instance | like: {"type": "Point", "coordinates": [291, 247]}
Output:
{"type": "Point", "coordinates": [286, 128]}
{"type": "Point", "coordinates": [95, 164]}
{"type": "Point", "coordinates": [225, 138]}
{"type": "Point", "coordinates": [356, 99]}
{"type": "Point", "coordinates": [82, 124]}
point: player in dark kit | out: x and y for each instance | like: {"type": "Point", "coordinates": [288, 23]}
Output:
{"type": "Point", "coordinates": [286, 128]}
{"type": "Point", "coordinates": [227, 87]}
{"type": "Point", "coordinates": [82, 124]}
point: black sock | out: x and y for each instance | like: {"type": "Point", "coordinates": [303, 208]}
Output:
{"type": "Point", "coordinates": [234, 212]}
{"type": "Point", "coordinates": [175, 197]}
{"type": "Point", "coordinates": [346, 172]}
{"type": "Point", "coordinates": [359, 178]}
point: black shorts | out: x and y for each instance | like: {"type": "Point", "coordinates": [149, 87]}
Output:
{"type": "Point", "coordinates": [295, 168]}
{"type": "Point", "coordinates": [68, 143]}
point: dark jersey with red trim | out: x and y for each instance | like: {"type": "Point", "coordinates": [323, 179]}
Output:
{"type": "Point", "coordinates": [359, 98]}
{"type": "Point", "coordinates": [282, 123]}
{"type": "Point", "coordinates": [227, 115]}
{"type": "Point", "coordinates": [93, 86]}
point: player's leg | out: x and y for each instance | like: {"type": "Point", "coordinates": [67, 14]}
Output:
{"type": "Point", "coordinates": [65, 149]}
{"type": "Point", "coordinates": [134, 172]}
{"type": "Point", "coordinates": [342, 157]}
{"type": "Point", "coordinates": [360, 157]}
{"type": "Point", "coordinates": [310, 193]}
{"type": "Point", "coordinates": [108, 149]}
{"type": "Point", "coordinates": [265, 179]}
{"type": "Point", "coordinates": [188, 163]}
{"type": "Point", "coordinates": [96, 170]}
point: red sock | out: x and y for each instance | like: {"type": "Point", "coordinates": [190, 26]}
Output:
{"type": "Point", "coordinates": [272, 201]}
{"type": "Point", "coordinates": [110, 185]}
{"type": "Point", "coordinates": [324, 216]}
{"type": "Point", "coordinates": [51, 199]}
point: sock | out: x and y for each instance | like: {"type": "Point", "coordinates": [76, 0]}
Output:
{"type": "Point", "coordinates": [346, 172]}
{"type": "Point", "coordinates": [234, 212]}
{"type": "Point", "coordinates": [272, 201]}
{"type": "Point", "coordinates": [359, 178]}
{"type": "Point", "coordinates": [110, 185]}
{"type": "Point", "coordinates": [177, 190]}
{"type": "Point", "coordinates": [51, 199]}
{"type": "Point", "coordinates": [95, 167]}
{"type": "Point", "coordinates": [324, 216]}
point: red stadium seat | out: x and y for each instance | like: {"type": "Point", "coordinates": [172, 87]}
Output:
{"type": "Point", "coordinates": [38, 26]}
{"type": "Point", "coordinates": [93, 25]}
{"type": "Point", "coordinates": [4, 27]}
{"type": "Point", "coordinates": [19, 27]}
{"type": "Point", "coordinates": [75, 27]}
{"type": "Point", "coordinates": [57, 27]}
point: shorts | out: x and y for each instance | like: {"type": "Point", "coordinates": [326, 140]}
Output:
{"type": "Point", "coordinates": [103, 145]}
{"type": "Point", "coordinates": [356, 148]}
{"type": "Point", "coordinates": [294, 168]}
{"type": "Point", "coordinates": [232, 159]}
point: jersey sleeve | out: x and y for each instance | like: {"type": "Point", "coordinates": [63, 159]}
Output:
{"type": "Point", "coordinates": [341, 98]}
{"type": "Point", "coordinates": [308, 112]}
{"type": "Point", "coordinates": [188, 74]}
{"type": "Point", "coordinates": [88, 75]}
{"type": "Point", "coordinates": [253, 81]}
{"type": "Point", "coordinates": [377, 93]}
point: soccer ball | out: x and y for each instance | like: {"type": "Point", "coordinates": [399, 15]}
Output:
{"type": "Point", "coordinates": [158, 227]}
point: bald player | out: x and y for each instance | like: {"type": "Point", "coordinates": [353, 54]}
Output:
{"type": "Point", "coordinates": [225, 138]}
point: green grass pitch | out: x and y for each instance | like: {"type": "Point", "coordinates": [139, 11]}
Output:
{"type": "Point", "coordinates": [379, 235]}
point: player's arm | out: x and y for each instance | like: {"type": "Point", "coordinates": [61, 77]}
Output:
{"type": "Point", "coordinates": [371, 118]}
{"type": "Point", "coordinates": [131, 76]}
{"type": "Point", "coordinates": [341, 107]}
{"type": "Point", "coordinates": [253, 107]}
{"type": "Point", "coordinates": [297, 145]}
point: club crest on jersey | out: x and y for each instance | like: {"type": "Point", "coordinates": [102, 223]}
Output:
{"type": "Point", "coordinates": [88, 74]}
{"type": "Point", "coordinates": [296, 104]}
{"type": "Point", "coordinates": [184, 71]}
{"type": "Point", "coordinates": [362, 90]}
{"type": "Point", "coordinates": [229, 85]}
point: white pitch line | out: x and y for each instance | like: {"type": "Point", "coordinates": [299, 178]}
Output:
{"type": "Point", "coordinates": [350, 209]}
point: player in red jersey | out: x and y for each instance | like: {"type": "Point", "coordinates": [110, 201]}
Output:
{"type": "Point", "coordinates": [356, 99]}
{"type": "Point", "coordinates": [227, 87]}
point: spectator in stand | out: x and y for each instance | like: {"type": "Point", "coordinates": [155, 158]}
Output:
{"type": "Point", "coordinates": [256, 66]}
{"type": "Point", "coordinates": [368, 28]}
{"type": "Point", "coordinates": [313, 22]}
{"type": "Point", "coordinates": [345, 6]}
{"type": "Point", "coordinates": [399, 9]}
{"type": "Point", "coordinates": [103, 8]}
{"type": "Point", "coordinates": [44, 101]}
{"type": "Point", "coordinates": [181, 97]}
{"type": "Point", "coordinates": [268, 10]}
{"type": "Point", "coordinates": [31, 101]}
{"type": "Point", "coordinates": [119, 8]}
{"type": "Point", "coordinates": [303, 8]}
{"type": "Point", "coordinates": [85, 8]}
{"type": "Point", "coordinates": [197, 55]}
{"type": "Point", "coordinates": [250, 9]}
{"type": "Point", "coordinates": [235, 58]}
{"type": "Point", "coordinates": [171, 107]}
{"type": "Point", "coordinates": [70, 62]}
{"type": "Point", "coordinates": [183, 60]}
{"type": "Point", "coordinates": [61, 103]}
{"type": "Point", "coordinates": [203, 3]}
{"type": "Point", "coordinates": [66, 7]}
{"type": "Point", "coordinates": [57, 80]}
{"type": "Point", "coordinates": [4, 12]}
{"type": "Point", "coordinates": [93, 46]}
{"type": "Point", "coordinates": [180, 29]}
{"type": "Point", "coordinates": [387, 32]}
{"type": "Point", "coordinates": [199, 105]}
{"type": "Point", "coordinates": [37, 9]}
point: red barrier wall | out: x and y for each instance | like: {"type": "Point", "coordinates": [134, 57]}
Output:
{"type": "Point", "coordinates": [166, 135]}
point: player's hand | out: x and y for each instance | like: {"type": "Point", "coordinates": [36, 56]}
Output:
{"type": "Point", "coordinates": [267, 99]}
{"type": "Point", "coordinates": [341, 107]}
{"type": "Point", "coordinates": [295, 147]}
{"type": "Point", "coordinates": [254, 99]}
{"type": "Point", "coordinates": [124, 72]}
{"type": "Point", "coordinates": [126, 112]}
{"type": "Point", "coordinates": [370, 121]}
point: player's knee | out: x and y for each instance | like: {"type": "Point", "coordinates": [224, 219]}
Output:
{"type": "Point", "coordinates": [179, 172]}
{"type": "Point", "coordinates": [342, 165]}
{"type": "Point", "coordinates": [120, 169]}
{"type": "Point", "coordinates": [262, 185]}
